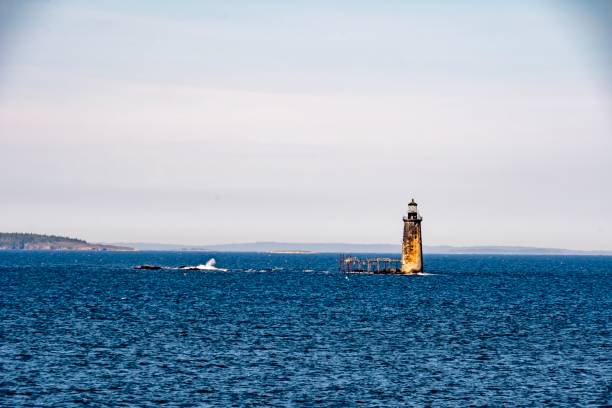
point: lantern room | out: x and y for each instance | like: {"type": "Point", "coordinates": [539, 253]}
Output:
{"type": "Point", "coordinates": [413, 213]}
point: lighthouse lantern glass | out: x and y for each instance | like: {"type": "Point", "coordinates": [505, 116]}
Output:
{"type": "Point", "coordinates": [412, 208]}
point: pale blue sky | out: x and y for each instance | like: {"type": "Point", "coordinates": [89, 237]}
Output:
{"type": "Point", "coordinates": [208, 122]}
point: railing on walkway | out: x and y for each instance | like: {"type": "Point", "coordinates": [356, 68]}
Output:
{"type": "Point", "coordinates": [353, 264]}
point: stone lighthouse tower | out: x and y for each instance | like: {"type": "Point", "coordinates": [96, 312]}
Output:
{"type": "Point", "coordinates": [412, 245]}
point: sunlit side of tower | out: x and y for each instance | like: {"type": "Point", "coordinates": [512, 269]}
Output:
{"type": "Point", "coordinates": [412, 245]}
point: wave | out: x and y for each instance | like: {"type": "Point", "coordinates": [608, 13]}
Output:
{"type": "Point", "coordinates": [208, 266]}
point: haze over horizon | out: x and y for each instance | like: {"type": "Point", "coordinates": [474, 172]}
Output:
{"type": "Point", "coordinates": [218, 122]}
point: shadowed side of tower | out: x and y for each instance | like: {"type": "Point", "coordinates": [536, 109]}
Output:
{"type": "Point", "coordinates": [412, 244]}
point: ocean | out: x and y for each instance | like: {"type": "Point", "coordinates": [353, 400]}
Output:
{"type": "Point", "coordinates": [289, 330]}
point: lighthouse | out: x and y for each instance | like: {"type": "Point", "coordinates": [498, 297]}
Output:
{"type": "Point", "coordinates": [411, 261]}
{"type": "Point", "coordinates": [412, 244]}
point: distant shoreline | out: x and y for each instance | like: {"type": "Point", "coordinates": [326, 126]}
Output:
{"type": "Point", "coordinates": [509, 254]}
{"type": "Point", "coordinates": [288, 247]}
{"type": "Point", "coordinates": [19, 241]}
{"type": "Point", "coordinates": [291, 251]}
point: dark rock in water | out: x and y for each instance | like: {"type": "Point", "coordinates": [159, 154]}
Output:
{"type": "Point", "coordinates": [148, 267]}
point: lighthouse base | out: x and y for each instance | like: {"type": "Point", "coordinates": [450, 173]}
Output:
{"type": "Point", "coordinates": [411, 269]}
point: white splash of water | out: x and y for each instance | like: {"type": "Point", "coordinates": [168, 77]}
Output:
{"type": "Point", "coordinates": [208, 266]}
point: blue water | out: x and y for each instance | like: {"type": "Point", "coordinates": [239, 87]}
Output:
{"type": "Point", "coordinates": [288, 330]}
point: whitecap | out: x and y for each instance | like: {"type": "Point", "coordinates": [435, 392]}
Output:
{"type": "Point", "coordinates": [208, 266]}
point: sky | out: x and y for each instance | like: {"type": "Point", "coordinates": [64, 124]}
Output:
{"type": "Point", "coordinates": [201, 122]}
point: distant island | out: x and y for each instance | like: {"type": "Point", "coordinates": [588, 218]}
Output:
{"type": "Point", "coordinates": [290, 251]}
{"type": "Point", "coordinates": [33, 242]}
{"type": "Point", "coordinates": [294, 247]}
{"type": "Point", "coordinates": [26, 241]}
